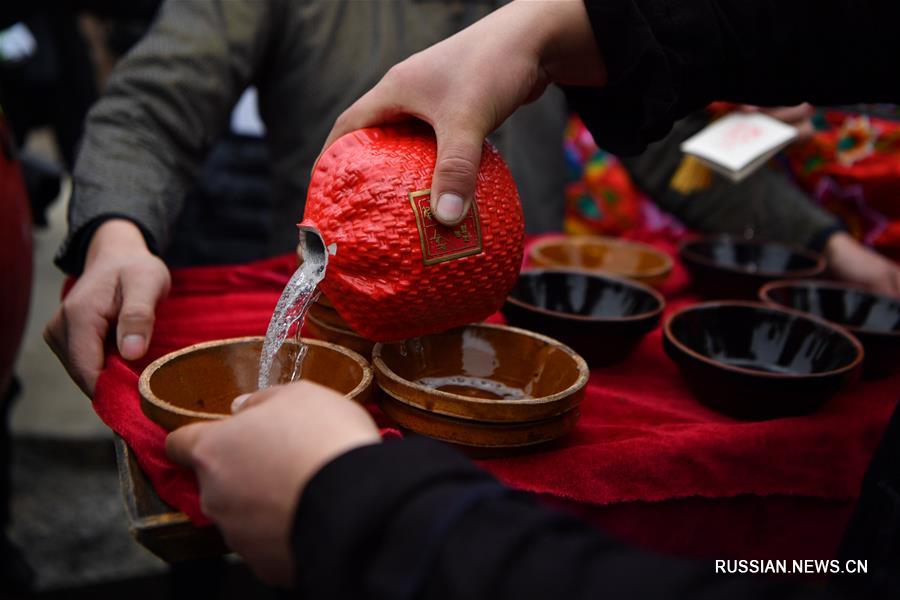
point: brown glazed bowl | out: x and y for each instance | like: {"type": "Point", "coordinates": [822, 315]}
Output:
{"type": "Point", "coordinates": [481, 385]}
{"type": "Point", "coordinates": [596, 253]}
{"type": "Point", "coordinates": [726, 267]}
{"type": "Point", "coordinates": [198, 383]}
{"type": "Point", "coordinates": [873, 318]}
{"type": "Point", "coordinates": [754, 361]}
{"type": "Point", "coordinates": [602, 318]}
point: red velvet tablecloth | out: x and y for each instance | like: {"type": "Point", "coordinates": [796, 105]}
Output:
{"type": "Point", "coordinates": [646, 460]}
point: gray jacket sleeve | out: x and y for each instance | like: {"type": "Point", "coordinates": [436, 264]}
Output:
{"type": "Point", "coordinates": [165, 104]}
{"type": "Point", "coordinates": [766, 202]}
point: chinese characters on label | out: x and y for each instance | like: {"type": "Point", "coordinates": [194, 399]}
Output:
{"type": "Point", "coordinates": [439, 242]}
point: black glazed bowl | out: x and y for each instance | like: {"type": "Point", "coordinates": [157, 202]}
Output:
{"type": "Point", "coordinates": [754, 361]}
{"type": "Point", "coordinates": [873, 318]}
{"type": "Point", "coordinates": [602, 318]}
{"type": "Point", "coordinates": [729, 267]}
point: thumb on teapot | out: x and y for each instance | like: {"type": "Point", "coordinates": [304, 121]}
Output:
{"type": "Point", "coordinates": [455, 173]}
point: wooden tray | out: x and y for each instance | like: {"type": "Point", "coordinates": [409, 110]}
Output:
{"type": "Point", "coordinates": [155, 525]}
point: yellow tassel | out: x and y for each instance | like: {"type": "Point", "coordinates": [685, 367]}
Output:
{"type": "Point", "coordinates": [691, 176]}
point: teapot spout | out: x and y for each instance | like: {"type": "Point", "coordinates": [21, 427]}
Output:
{"type": "Point", "coordinates": [312, 244]}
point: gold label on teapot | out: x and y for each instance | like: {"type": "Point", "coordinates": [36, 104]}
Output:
{"type": "Point", "coordinates": [439, 242]}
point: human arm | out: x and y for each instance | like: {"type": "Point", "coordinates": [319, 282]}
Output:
{"type": "Point", "coordinates": [438, 528]}
{"type": "Point", "coordinates": [166, 102]}
{"type": "Point", "coordinates": [767, 203]}
{"type": "Point", "coordinates": [850, 261]}
{"type": "Point", "coordinates": [668, 58]}
{"type": "Point", "coordinates": [468, 84]}
{"type": "Point", "coordinates": [656, 61]}
{"type": "Point", "coordinates": [411, 519]}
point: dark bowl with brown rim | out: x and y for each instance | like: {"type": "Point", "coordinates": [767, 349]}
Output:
{"type": "Point", "coordinates": [754, 361]}
{"type": "Point", "coordinates": [603, 318]}
{"type": "Point", "coordinates": [488, 386]}
{"type": "Point", "coordinates": [727, 267]}
{"type": "Point", "coordinates": [873, 318]}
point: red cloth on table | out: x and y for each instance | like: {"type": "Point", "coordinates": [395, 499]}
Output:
{"type": "Point", "coordinates": [642, 437]}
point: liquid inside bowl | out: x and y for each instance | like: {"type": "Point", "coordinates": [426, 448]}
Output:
{"type": "Point", "coordinates": [474, 387]}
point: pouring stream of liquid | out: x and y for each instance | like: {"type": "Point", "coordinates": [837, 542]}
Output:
{"type": "Point", "coordinates": [298, 295]}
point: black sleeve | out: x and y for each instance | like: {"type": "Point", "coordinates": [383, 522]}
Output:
{"type": "Point", "coordinates": [414, 519]}
{"type": "Point", "coordinates": [874, 530]}
{"type": "Point", "coordinates": [667, 58]}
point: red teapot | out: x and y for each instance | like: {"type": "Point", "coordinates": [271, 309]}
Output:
{"type": "Point", "coordinates": [393, 271]}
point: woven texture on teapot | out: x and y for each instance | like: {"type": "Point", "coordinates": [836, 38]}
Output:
{"type": "Point", "coordinates": [397, 273]}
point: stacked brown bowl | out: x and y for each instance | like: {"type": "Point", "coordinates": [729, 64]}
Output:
{"type": "Point", "coordinates": [485, 386]}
